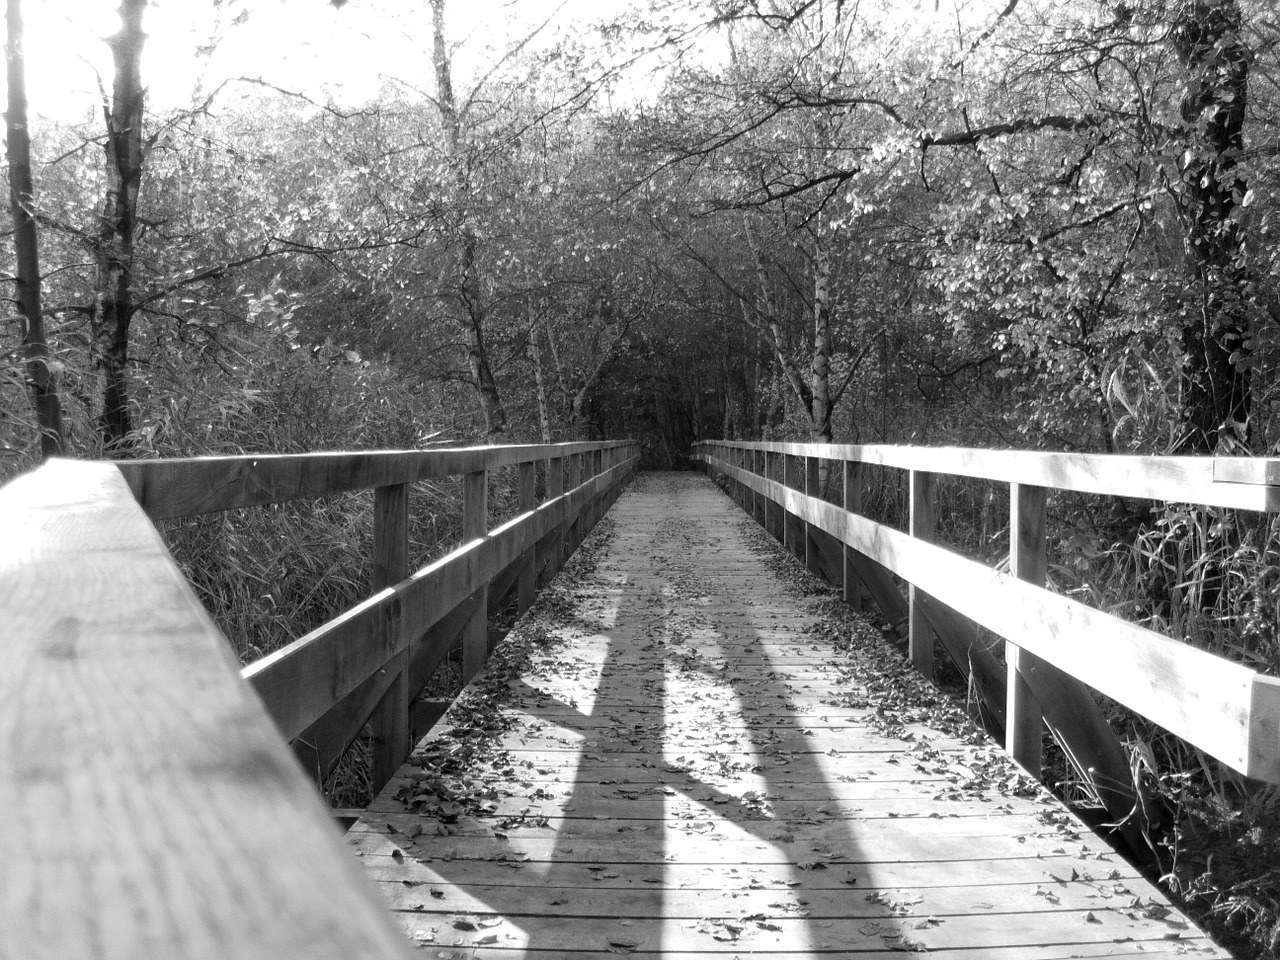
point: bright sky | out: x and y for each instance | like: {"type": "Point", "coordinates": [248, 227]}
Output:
{"type": "Point", "coordinates": [308, 46]}
{"type": "Point", "coordinates": [303, 45]}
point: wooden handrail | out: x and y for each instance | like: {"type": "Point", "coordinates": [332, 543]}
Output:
{"type": "Point", "coordinates": [1240, 483]}
{"type": "Point", "coordinates": [152, 806]}
{"type": "Point", "coordinates": [1226, 709]}
{"type": "Point", "coordinates": [196, 485]}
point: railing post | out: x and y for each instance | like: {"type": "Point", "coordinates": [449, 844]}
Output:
{"type": "Point", "coordinates": [1028, 560]}
{"type": "Point", "coordinates": [792, 526]}
{"type": "Point", "coordinates": [852, 504]}
{"type": "Point", "coordinates": [813, 488]}
{"type": "Point", "coordinates": [527, 587]}
{"type": "Point", "coordinates": [573, 527]}
{"type": "Point", "coordinates": [922, 523]}
{"type": "Point", "coordinates": [597, 468]}
{"type": "Point", "coordinates": [475, 524]}
{"type": "Point", "coordinates": [742, 490]}
{"type": "Point", "coordinates": [757, 498]}
{"type": "Point", "coordinates": [776, 518]}
{"type": "Point", "coordinates": [555, 488]}
{"type": "Point", "coordinates": [389, 722]}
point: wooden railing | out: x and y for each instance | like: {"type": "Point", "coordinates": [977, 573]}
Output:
{"type": "Point", "coordinates": [1056, 648]}
{"type": "Point", "coordinates": [151, 804]}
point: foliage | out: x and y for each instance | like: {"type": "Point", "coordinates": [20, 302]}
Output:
{"type": "Point", "coordinates": [815, 219]}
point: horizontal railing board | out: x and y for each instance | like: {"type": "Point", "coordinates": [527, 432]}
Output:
{"type": "Point", "coordinates": [151, 807]}
{"type": "Point", "coordinates": [198, 485]}
{"type": "Point", "coordinates": [1257, 470]}
{"type": "Point", "coordinates": [1222, 707]}
{"type": "Point", "coordinates": [1201, 480]}
{"type": "Point", "coordinates": [303, 680]}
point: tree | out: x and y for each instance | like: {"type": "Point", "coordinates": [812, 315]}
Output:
{"type": "Point", "coordinates": [467, 292]}
{"type": "Point", "coordinates": [113, 309]}
{"type": "Point", "coordinates": [40, 383]}
{"type": "Point", "coordinates": [1216, 395]}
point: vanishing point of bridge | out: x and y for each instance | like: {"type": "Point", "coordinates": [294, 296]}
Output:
{"type": "Point", "coordinates": [687, 747]}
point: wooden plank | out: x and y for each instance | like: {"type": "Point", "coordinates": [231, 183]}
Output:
{"type": "Point", "coordinates": [302, 681]}
{"type": "Point", "coordinates": [321, 745]}
{"type": "Point", "coordinates": [1203, 698]}
{"type": "Point", "coordinates": [1264, 471]}
{"type": "Point", "coordinates": [438, 641]}
{"type": "Point", "coordinates": [1177, 479]}
{"type": "Point", "coordinates": [799, 938]}
{"type": "Point", "coordinates": [527, 501]}
{"type": "Point", "coordinates": [151, 808]}
{"type": "Point", "coordinates": [197, 485]}
{"type": "Point", "coordinates": [922, 522]}
{"type": "Point", "coordinates": [1028, 560]}
{"type": "Point", "coordinates": [812, 552]}
{"type": "Point", "coordinates": [792, 525]}
{"type": "Point", "coordinates": [389, 724]}
{"type": "Point", "coordinates": [475, 524]}
{"type": "Point", "coordinates": [851, 586]}
{"type": "Point", "coordinates": [690, 773]}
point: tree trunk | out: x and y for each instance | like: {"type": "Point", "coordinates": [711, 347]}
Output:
{"type": "Point", "coordinates": [491, 408]}
{"type": "Point", "coordinates": [535, 353]}
{"type": "Point", "coordinates": [1215, 379]}
{"type": "Point", "coordinates": [113, 307]}
{"type": "Point", "coordinates": [26, 243]}
{"type": "Point", "coordinates": [820, 368]}
{"type": "Point", "coordinates": [495, 415]}
{"type": "Point", "coordinates": [774, 332]}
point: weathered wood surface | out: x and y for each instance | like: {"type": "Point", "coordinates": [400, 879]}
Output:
{"type": "Point", "coordinates": [302, 681]}
{"type": "Point", "coordinates": [150, 807]}
{"type": "Point", "coordinates": [1225, 708]}
{"type": "Point", "coordinates": [688, 750]}
{"type": "Point", "coordinates": [1239, 482]}
{"type": "Point", "coordinates": [196, 485]}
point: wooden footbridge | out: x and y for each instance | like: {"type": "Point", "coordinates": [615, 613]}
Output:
{"type": "Point", "coordinates": [686, 747]}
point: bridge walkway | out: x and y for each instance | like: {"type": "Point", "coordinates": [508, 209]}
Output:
{"type": "Point", "coordinates": [689, 748]}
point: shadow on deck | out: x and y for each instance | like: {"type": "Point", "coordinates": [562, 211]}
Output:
{"type": "Point", "coordinates": [684, 749]}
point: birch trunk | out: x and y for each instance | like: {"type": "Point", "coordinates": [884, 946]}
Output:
{"type": "Point", "coordinates": [486, 387]}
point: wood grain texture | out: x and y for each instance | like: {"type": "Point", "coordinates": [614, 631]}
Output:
{"type": "Point", "coordinates": [686, 765]}
{"type": "Point", "coordinates": [920, 526]}
{"type": "Point", "coordinates": [151, 808]}
{"type": "Point", "coordinates": [300, 682]}
{"type": "Point", "coordinates": [851, 588]}
{"type": "Point", "coordinates": [1238, 482]}
{"type": "Point", "coordinates": [475, 524]}
{"type": "Point", "coordinates": [1201, 697]}
{"type": "Point", "coordinates": [527, 500]}
{"type": "Point", "coordinates": [1028, 560]}
{"type": "Point", "coordinates": [188, 487]}
{"type": "Point", "coordinates": [389, 723]}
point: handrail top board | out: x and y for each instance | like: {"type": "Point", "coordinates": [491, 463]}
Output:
{"type": "Point", "coordinates": [136, 764]}
{"type": "Point", "coordinates": [1229, 710]}
{"type": "Point", "coordinates": [317, 669]}
{"type": "Point", "coordinates": [197, 485]}
{"type": "Point", "coordinates": [1244, 483]}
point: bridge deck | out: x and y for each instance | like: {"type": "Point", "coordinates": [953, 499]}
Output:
{"type": "Point", "coordinates": [687, 750]}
